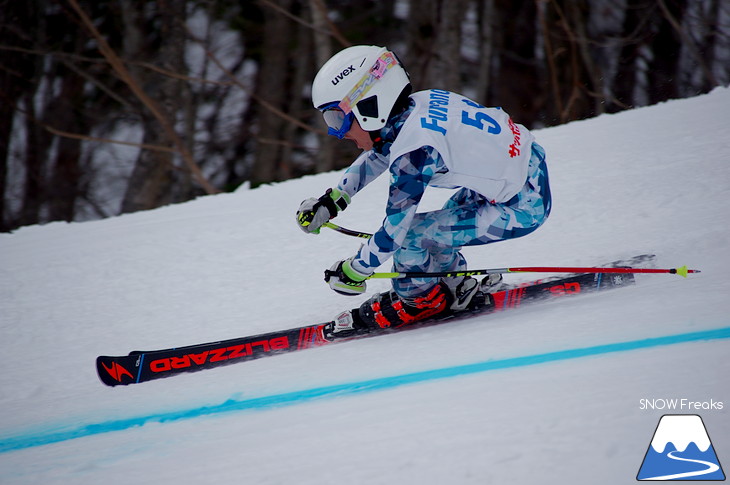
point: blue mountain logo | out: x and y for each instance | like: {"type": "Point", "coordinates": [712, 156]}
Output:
{"type": "Point", "coordinates": [680, 450]}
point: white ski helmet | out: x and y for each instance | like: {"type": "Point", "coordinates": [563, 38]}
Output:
{"type": "Point", "coordinates": [364, 80]}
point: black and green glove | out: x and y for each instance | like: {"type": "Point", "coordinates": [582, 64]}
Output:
{"type": "Point", "coordinates": [313, 213]}
{"type": "Point", "coordinates": [345, 279]}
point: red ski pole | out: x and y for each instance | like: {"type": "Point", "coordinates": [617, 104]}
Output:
{"type": "Point", "coordinates": [682, 270]}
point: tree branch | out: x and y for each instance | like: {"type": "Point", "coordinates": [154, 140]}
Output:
{"type": "Point", "coordinates": [258, 99]}
{"type": "Point", "coordinates": [333, 30]}
{"type": "Point", "coordinates": [688, 42]}
{"type": "Point", "coordinates": [124, 74]}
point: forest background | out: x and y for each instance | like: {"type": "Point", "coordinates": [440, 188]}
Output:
{"type": "Point", "coordinates": [115, 106]}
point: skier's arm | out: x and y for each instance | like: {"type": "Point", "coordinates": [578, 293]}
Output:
{"type": "Point", "coordinates": [366, 168]}
{"type": "Point", "coordinates": [410, 175]}
{"type": "Point", "coordinates": [313, 213]}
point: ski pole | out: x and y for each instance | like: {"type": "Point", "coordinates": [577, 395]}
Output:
{"type": "Point", "coordinates": [682, 271]}
{"type": "Point", "coordinates": [349, 232]}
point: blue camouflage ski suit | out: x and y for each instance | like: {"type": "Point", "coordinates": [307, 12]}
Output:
{"type": "Point", "coordinates": [480, 212]}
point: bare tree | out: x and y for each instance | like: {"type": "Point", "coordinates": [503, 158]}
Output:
{"type": "Point", "coordinates": [323, 50]}
{"type": "Point", "coordinates": [17, 68]}
{"type": "Point", "coordinates": [444, 66]}
{"type": "Point", "coordinates": [154, 175]}
{"type": "Point", "coordinates": [486, 25]}
{"type": "Point", "coordinates": [64, 183]}
{"type": "Point", "coordinates": [271, 86]}
{"type": "Point", "coordinates": [516, 80]}
{"type": "Point", "coordinates": [78, 76]}
{"type": "Point", "coordinates": [569, 65]}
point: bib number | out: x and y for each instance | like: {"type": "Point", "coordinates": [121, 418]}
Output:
{"type": "Point", "coordinates": [479, 119]}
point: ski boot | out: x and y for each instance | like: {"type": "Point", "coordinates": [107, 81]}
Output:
{"type": "Point", "coordinates": [386, 310]}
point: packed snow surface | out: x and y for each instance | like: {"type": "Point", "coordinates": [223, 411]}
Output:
{"type": "Point", "coordinates": [652, 180]}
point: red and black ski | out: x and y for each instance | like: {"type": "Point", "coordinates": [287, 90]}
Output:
{"type": "Point", "coordinates": [142, 366]}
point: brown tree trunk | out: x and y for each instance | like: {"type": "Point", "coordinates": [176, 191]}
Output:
{"type": "Point", "coordinates": [570, 77]}
{"type": "Point", "coordinates": [516, 84]}
{"type": "Point", "coordinates": [625, 80]}
{"type": "Point", "coordinates": [325, 157]}
{"type": "Point", "coordinates": [152, 180]}
{"type": "Point", "coordinates": [36, 147]}
{"type": "Point", "coordinates": [64, 187]}
{"type": "Point", "coordinates": [666, 44]}
{"type": "Point", "coordinates": [485, 13]}
{"type": "Point", "coordinates": [271, 86]}
{"type": "Point", "coordinates": [444, 68]}
{"type": "Point", "coordinates": [15, 81]}
{"type": "Point", "coordinates": [422, 34]}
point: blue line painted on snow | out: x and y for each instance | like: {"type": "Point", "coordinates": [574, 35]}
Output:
{"type": "Point", "coordinates": [30, 440]}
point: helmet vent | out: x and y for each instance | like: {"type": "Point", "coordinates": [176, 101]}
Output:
{"type": "Point", "coordinates": [368, 107]}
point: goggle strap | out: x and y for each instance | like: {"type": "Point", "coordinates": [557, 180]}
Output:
{"type": "Point", "coordinates": [386, 61]}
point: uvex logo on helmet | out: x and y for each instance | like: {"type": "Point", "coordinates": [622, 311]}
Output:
{"type": "Point", "coordinates": [343, 74]}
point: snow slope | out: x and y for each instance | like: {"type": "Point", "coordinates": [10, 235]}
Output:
{"type": "Point", "coordinates": [509, 398]}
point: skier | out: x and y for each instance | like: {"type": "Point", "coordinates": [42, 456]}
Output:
{"type": "Point", "coordinates": [430, 138]}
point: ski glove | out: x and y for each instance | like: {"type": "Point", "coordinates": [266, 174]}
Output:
{"type": "Point", "coordinates": [313, 213]}
{"type": "Point", "coordinates": [345, 279]}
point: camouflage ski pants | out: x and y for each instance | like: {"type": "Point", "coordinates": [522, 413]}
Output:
{"type": "Point", "coordinates": [434, 240]}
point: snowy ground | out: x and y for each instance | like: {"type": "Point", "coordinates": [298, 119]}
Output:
{"type": "Point", "coordinates": [653, 180]}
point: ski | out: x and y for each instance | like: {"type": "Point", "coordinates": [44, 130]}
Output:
{"type": "Point", "coordinates": [142, 366]}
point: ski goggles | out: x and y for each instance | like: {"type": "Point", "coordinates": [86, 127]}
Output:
{"type": "Point", "coordinates": [338, 123]}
